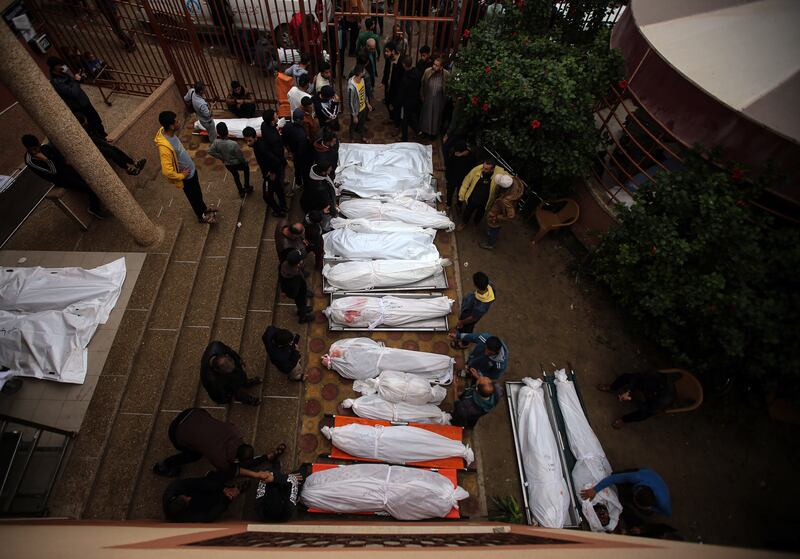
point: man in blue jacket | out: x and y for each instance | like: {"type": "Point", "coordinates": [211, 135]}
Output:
{"type": "Point", "coordinates": [650, 492]}
{"type": "Point", "coordinates": [489, 357]}
{"type": "Point", "coordinates": [473, 306]}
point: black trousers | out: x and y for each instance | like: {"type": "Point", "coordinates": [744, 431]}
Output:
{"type": "Point", "coordinates": [185, 455]}
{"type": "Point", "coordinates": [638, 415]}
{"type": "Point", "coordinates": [114, 154]}
{"type": "Point", "coordinates": [357, 130]}
{"type": "Point", "coordinates": [234, 170]}
{"type": "Point", "coordinates": [302, 166]}
{"type": "Point", "coordinates": [191, 188]}
{"type": "Point", "coordinates": [94, 123]}
{"type": "Point", "coordinates": [246, 110]}
{"type": "Point", "coordinates": [272, 189]}
{"type": "Point", "coordinates": [409, 118]}
{"type": "Point", "coordinates": [472, 209]}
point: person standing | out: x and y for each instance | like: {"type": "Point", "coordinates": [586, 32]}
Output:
{"type": "Point", "coordinates": [368, 33]}
{"type": "Point", "coordinates": [198, 499]}
{"type": "Point", "coordinates": [299, 68]}
{"type": "Point", "coordinates": [326, 108]}
{"type": "Point", "coordinates": [194, 98]}
{"type": "Point", "coordinates": [240, 102]}
{"type": "Point", "coordinates": [298, 92]}
{"type": "Point", "coordinates": [48, 163]}
{"type": "Point", "coordinates": [282, 349]}
{"type": "Point", "coordinates": [476, 401]}
{"type": "Point", "coordinates": [177, 166]}
{"type": "Point", "coordinates": [409, 97]}
{"type": "Point", "coordinates": [358, 103]}
{"type": "Point", "coordinates": [68, 87]}
{"type": "Point", "coordinates": [434, 81]}
{"type": "Point", "coordinates": [313, 223]}
{"type": "Point", "coordinates": [274, 142]}
{"type": "Point", "coordinates": [112, 153]}
{"type": "Point", "coordinates": [293, 284]}
{"type": "Point", "coordinates": [195, 434]}
{"type": "Point", "coordinates": [392, 77]}
{"type": "Point", "coordinates": [229, 152]}
{"type": "Point", "coordinates": [289, 237]}
{"type": "Point", "coordinates": [399, 39]}
{"type": "Point", "coordinates": [326, 150]}
{"type": "Point", "coordinates": [271, 162]}
{"type": "Point", "coordinates": [223, 375]}
{"type": "Point", "coordinates": [478, 191]}
{"type": "Point", "coordinates": [320, 193]}
{"type": "Point", "coordinates": [310, 124]}
{"type": "Point", "coordinates": [299, 145]}
{"type": "Point", "coordinates": [474, 306]}
{"type": "Point", "coordinates": [424, 59]}
{"type": "Point", "coordinates": [503, 209]}
{"type": "Point", "coordinates": [322, 78]}
{"type": "Point", "coordinates": [459, 163]}
{"type": "Point", "coordinates": [371, 63]}
{"type": "Point", "coordinates": [110, 11]}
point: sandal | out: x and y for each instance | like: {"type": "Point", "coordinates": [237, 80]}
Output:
{"type": "Point", "coordinates": [209, 218]}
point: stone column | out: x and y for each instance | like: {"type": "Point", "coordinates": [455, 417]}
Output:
{"type": "Point", "coordinates": [32, 89]}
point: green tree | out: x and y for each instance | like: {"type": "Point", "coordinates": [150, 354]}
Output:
{"type": "Point", "coordinates": [711, 278]}
{"type": "Point", "coordinates": [530, 96]}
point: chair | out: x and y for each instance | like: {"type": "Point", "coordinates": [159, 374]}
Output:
{"type": "Point", "coordinates": [549, 220]}
{"type": "Point", "coordinates": [688, 390]}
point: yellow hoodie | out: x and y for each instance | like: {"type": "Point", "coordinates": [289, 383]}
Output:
{"type": "Point", "coordinates": [169, 159]}
{"type": "Point", "coordinates": [472, 178]}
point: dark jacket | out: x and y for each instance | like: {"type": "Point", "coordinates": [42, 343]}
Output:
{"type": "Point", "coordinates": [272, 139]}
{"type": "Point", "coordinates": [277, 501]}
{"type": "Point", "coordinates": [409, 95]}
{"type": "Point", "coordinates": [208, 500]}
{"type": "Point", "coordinates": [283, 243]}
{"type": "Point", "coordinates": [267, 159]}
{"type": "Point", "coordinates": [56, 170]}
{"type": "Point", "coordinates": [297, 141]}
{"type": "Point", "coordinates": [216, 440]}
{"type": "Point", "coordinates": [319, 193]}
{"type": "Point", "coordinates": [458, 167]}
{"type": "Point", "coordinates": [291, 280]}
{"type": "Point", "coordinates": [471, 406]}
{"type": "Point", "coordinates": [69, 89]}
{"type": "Point", "coordinates": [221, 387]}
{"type": "Point", "coordinates": [326, 155]}
{"type": "Point", "coordinates": [392, 77]}
{"type": "Point", "coordinates": [470, 306]}
{"type": "Point", "coordinates": [284, 358]}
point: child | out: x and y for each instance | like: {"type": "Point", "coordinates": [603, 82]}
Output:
{"type": "Point", "coordinates": [229, 152]}
{"type": "Point", "coordinates": [473, 306]}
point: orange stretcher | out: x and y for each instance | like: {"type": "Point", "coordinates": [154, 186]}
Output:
{"type": "Point", "coordinates": [448, 473]}
{"type": "Point", "coordinates": [449, 431]}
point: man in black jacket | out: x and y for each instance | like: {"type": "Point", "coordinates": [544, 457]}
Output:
{"type": "Point", "coordinates": [281, 346]}
{"type": "Point", "coordinates": [326, 150]}
{"type": "Point", "coordinates": [273, 140]}
{"type": "Point", "coordinates": [199, 499]}
{"type": "Point", "coordinates": [319, 193]}
{"type": "Point", "coordinates": [409, 96]}
{"type": "Point", "coordinates": [222, 373]}
{"type": "Point", "coordinates": [69, 89]}
{"type": "Point", "coordinates": [392, 77]}
{"type": "Point", "coordinates": [298, 143]}
{"type": "Point", "coordinates": [459, 162]}
{"type": "Point", "coordinates": [47, 162]}
{"type": "Point", "coordinates": [271, 164]}
{"type": "Point", "coordinates": [293, 284]}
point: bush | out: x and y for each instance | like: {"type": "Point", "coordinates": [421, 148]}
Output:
{"type": "Point", "coordinates": [531, 96]}
{"type": "Point", "coordinates": [711, 278]}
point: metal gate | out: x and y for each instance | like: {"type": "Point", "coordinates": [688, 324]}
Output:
{"type": "Point", "coordinates": [131, 46]}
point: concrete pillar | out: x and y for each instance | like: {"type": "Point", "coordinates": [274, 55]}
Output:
{"type": "Point", "coordinates": [32, 89]}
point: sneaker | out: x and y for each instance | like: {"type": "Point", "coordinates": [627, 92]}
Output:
{"type": "Point", "coordinates": [487, 246]}
{"type": "Point", "coordinates": [99, 214]}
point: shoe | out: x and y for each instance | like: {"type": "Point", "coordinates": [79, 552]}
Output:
{"type": "Point", "coordinates": [209, 217]}
{"type": "Point", "coordinates": [242, 193]}
{"type": "Point", "coordinates": [99, 214]}
{"type": "Point", "coordinates": [487, 246]}
{"type": "Point", "coordinates": [161, 470]}
{"type": "Point", "coordinates": [255, 381]}
{"type": "Point", "coordinates": [140, 164]}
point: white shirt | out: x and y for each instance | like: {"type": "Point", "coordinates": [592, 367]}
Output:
{"type": "Point", "coordinates": [295, 97]}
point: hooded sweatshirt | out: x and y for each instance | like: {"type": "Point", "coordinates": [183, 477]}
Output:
{"type": "Point", "coordinates": [326, 155]}
{"type": "Point", "coordinates": [174, 157]}
{"type": "Point", "coordinates": [199, 104]}
{"type": "Point", "coordinates": [320, 193]}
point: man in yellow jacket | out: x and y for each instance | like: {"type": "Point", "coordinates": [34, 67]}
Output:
{"type": "Point", "coordinates": [478, 191]}
{"type": "Point", "coordinates": [178, 167]}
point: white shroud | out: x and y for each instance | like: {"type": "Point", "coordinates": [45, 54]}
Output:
{"type": "Point", "coordinates": [375, 407]}
{"type": "Point", "coordinates": [49, 315]}
{"type": "Point", "coordinates": [371, 274]}
{"type": "Point", "coordinates": [404, 493]}
{"type": "Point", "coordinates": [235, 125]}
{"type": "Point", "coordinates": [348, 244]}
{"type": "Point", "coordinates": [396, 444]}
{"type": "Point", "coordinates": [377, 226]}
{"type": "Point", "coordinates": [394, 386]}
{"type": "Point", "coordinates": [372, 312]}
{"type": "Point", "coordinates": [387, 180]}
{"type": "Point", "coordinates": [362, 358]}
{"type": "Point", "coordinates": [407, 155]}
{"type": "Point", "coordinates": [547, 491]}
{"type": "Point", "coordinates": [404, 210]}
{"type": "Point", "coordinates": [591, 465]}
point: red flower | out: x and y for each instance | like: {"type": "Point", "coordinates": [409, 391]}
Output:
{"type": "Point", "coordinates": [535, 124]}
{"type": "Point", "coordinates": [623, 84]}
{"type": "Point", "coordinates": [740, 203]}
{"type": "Point", "coordinates": [653, 249]}
{"type": "Point", "coordinates": [736, 174]}
{"type": "Point", "coordinates": [466, 33]}
{"type": "Point", "coordinates": [474, 101]}
{"type": "Point", "coordinates": [488, 69]}
{"type": "Point", "coordinates": [485, 107]}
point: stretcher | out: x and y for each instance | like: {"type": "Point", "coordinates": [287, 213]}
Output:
{"type": "Point", "coordinates": [348, 195]}
{"type": "Point", "coordinates": [437, 281]}
{"type": "Point", "coordinates": [449, 431]}
{"type": "Point", "coordinates": [450, 474]}
{"type": "Point", "coordinates": [557, 424]}
{"type": "Point", "coordinates": [439, 324]}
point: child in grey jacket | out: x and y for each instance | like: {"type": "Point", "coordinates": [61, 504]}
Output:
{"type": "Point", "coordinates": [229, 152]}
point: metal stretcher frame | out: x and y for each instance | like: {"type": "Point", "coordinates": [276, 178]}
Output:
{"type": "Point", "coordinates": [449, 431]}
{"type": "Point", "coordinates": [565, 455]}
{"type": "Point", "coordinates": [450, 474]}
{"type": "Point", "coordinates": [437, 281]}
{"type": "Point", "coordinates": [439, 324]}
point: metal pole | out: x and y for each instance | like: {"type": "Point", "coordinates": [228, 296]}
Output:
{"type": "Point", "coordinates": [30, 87]}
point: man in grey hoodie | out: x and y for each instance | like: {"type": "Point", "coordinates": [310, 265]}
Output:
{"type": "Point", "coordinates": [200, 106]}
{"type": "Point", "coordinates": [229, 152]}
{"type": "Point", "coordinates": [357, 102]}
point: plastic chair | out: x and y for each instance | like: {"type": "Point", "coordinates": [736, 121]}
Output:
{"type": "Point", "coordinates": [549, 220]}
{"type": "Point", "coordinates": [688, 390]}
